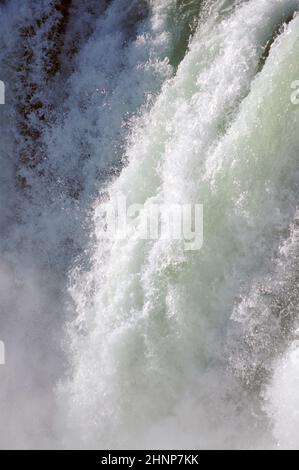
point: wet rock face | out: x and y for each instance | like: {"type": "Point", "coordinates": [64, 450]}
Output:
{"type": "Point", "coordinates": [267, 318]}
{"type": "Point", "coordinates": [55, 37]}
{"type": "Point", "coordinates": [137, 11]}
{"type": "Point", "coordinates": [277, 31]}
{"type": "Point", "coordinates": [186, 17]}
{"type": "Point", "coordinates": [47, 47]}
{"type": "Point", "coordinates": [39, 63]}
{"type": "Point", "coordinates": [49, 42]}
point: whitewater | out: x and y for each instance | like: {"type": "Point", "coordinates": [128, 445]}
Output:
{"type": "Point", "coordinates": [135, 343]}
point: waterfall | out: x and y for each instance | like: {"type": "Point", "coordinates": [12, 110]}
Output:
{"type": "Point", "coordinates": [133, 342]}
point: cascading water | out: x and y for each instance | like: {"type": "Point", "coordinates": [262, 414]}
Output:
{"type": "Point", "coordinates": [135, 343]}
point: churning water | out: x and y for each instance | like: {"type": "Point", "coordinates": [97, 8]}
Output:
{"type": "Point", "coordinates": [135, 343]}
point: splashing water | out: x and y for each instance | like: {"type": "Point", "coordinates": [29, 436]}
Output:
{"type": "Point", "coordinates": [148, 345]}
